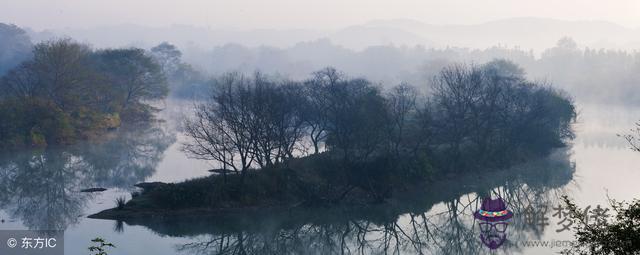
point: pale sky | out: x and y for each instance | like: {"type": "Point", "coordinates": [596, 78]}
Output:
{"type": "Point", "coordinates": [305, 14]}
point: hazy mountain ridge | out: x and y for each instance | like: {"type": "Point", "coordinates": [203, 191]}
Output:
{"type": "Point", "coordinates": [525, 33]}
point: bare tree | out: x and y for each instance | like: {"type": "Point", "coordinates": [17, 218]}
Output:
{"type": "Point", "coordinates": [247, 121]}
{"type": "Point", "coordinates": [220, 129]}
{"type": "Point", "coordinates": [317, 103]}
{"type": "Point", "coordinates": [401, 104]}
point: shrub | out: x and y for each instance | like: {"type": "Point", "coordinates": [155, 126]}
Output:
{"type": "Point", "coordinates": [120, 203]}
{"type": "Point", "coordinates": [620, 236]}
{"type": "Point", "coordinates": [99, 246]}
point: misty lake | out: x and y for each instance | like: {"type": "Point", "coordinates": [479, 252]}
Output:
{"type": "Point", "coordinates": [41, 190]}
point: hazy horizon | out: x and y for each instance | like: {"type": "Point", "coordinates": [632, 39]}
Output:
{"type": "Point", "coordinates": [288, 14]}
{"type": "Point", "coordinates": [332, 29]}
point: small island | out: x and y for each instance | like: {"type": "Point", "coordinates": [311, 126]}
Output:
{"type": "Point", "coordinates": [335, 140]}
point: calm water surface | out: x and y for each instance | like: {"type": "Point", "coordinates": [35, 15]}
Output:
{"type": "Point", "coordinates": [40, 190]}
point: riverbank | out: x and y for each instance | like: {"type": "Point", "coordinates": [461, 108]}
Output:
{"type": "Point", "coordinates": [156, 202]}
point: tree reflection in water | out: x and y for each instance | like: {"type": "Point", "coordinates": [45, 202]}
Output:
{"type": "Point", "coordinates": [434, 220]}
{"type": "Point", "coordinates": [42, 188]}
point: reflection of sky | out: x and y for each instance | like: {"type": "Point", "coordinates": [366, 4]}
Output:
{"type": "Point", "coordinates": [604, 161]}
{"type": "Point", "coordinates": [599, 126]}
{"type": "Point", "coordinates": [175, 166]}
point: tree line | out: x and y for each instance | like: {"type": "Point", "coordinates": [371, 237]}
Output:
{"type": "Point", "coordinates": [579, 70]}
{"type": "Point", "coordinates": [475, 116]}
{"type": "Point", "coordinates": [67, 90]}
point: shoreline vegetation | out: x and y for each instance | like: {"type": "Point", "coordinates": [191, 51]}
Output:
{"type": "Point", "coordinates": [67, 91]}
{"type": "Point", "coordinates": [335, 140]}
{"type": "Point", "coordinates": [556, 170]}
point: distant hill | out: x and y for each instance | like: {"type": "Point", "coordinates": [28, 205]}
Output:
{"type": "Point", "coordinates": [182, 35]}
{"type": "Point", "coordinates": [526, 33]}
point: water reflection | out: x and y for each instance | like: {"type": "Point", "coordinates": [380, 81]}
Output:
{"type": "Point", "coordinates": [437, 219]}
{"type": "Point", "coordinates": [128, 158]}
{"type": "Point", "coordinates": [41, 188]}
